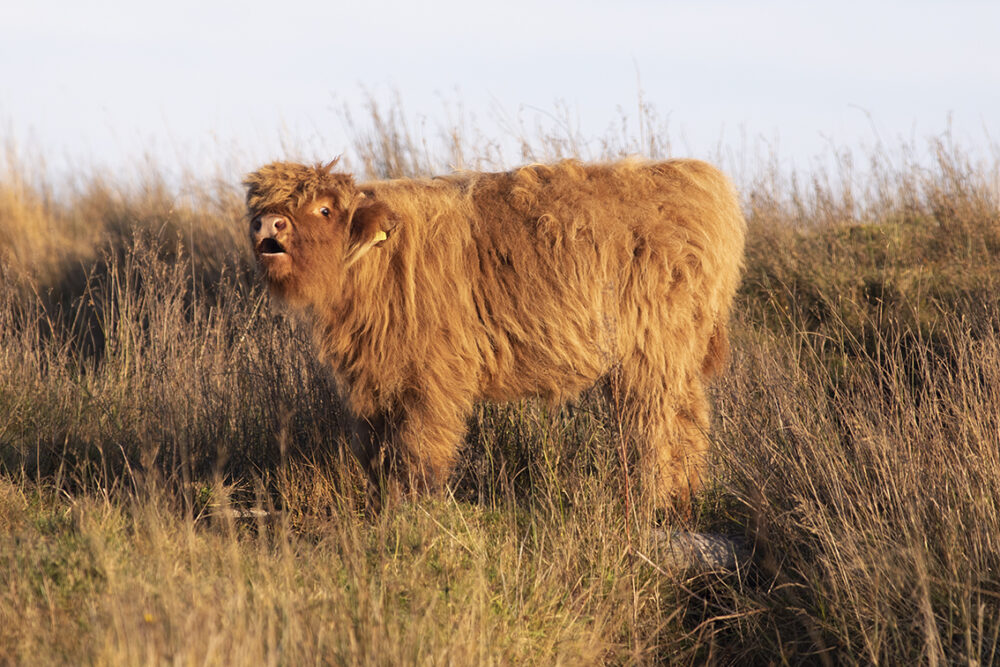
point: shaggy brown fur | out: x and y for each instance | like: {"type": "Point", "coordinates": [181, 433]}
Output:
{"type": "Point", "coordinates": [426, 296]}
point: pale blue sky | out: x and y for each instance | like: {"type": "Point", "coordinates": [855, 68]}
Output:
{"type": "Point", "coordinates": [206, 84]}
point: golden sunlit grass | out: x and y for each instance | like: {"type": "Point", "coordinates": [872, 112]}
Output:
{"type": "Point", "coordinates": [174, 487]}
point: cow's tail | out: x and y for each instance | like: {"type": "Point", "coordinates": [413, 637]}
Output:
{"type": "Point", "coordinates": [717, 355]}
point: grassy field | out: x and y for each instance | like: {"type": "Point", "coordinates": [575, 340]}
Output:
{"type": "Point", "coordinates": [174, 487]}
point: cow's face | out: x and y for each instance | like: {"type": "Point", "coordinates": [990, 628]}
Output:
{"type": "Point", "coordinates": [284, 240]}
{"type": "Point", "coordinates": [308, 249]}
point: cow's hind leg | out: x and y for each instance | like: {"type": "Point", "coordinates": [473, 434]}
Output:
{"type": "Point", "coordinates": [668, 419]}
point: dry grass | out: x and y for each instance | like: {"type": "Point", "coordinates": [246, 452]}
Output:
{"type": "Point", "coordinates": [174, 487]}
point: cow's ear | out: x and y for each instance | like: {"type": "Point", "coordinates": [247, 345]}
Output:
{"type": "Point", "coordinates": [370, 226]}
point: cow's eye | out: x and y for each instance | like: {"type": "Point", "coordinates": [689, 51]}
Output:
{"type": "Point", "coordinates": [325, 212]}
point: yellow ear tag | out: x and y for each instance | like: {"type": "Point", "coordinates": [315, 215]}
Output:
{"type": "Point", "coordinates": [380, 236]}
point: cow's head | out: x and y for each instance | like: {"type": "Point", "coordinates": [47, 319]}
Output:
{"type": "Point", "coordinates": [308, 225]}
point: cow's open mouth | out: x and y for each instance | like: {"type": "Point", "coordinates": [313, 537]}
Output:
{"type": "Point", "coordinates": [270, 247]}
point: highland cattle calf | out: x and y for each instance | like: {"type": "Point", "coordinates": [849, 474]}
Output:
{"type": "Point", "coordinates": [426, 296]}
